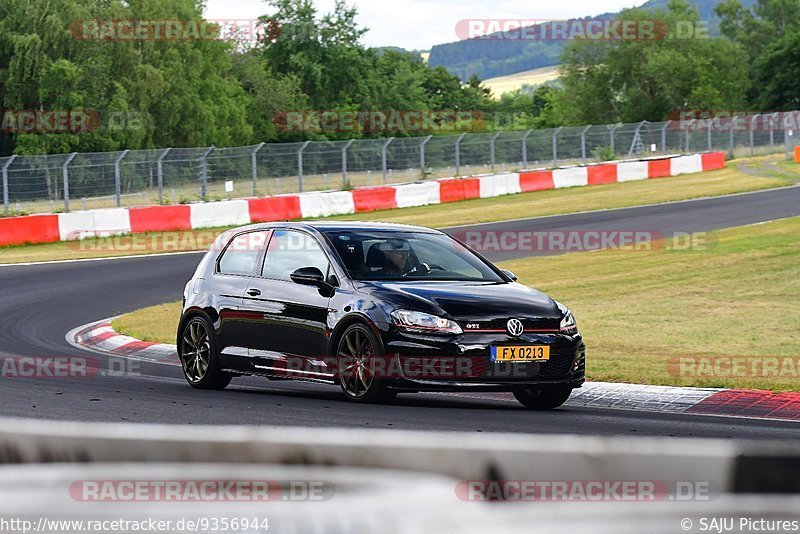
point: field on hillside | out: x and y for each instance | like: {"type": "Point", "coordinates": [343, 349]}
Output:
{"type": "Point", "coordinates": [511, 82]}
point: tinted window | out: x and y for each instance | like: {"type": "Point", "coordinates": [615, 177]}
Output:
{"type": "Point", "coordinates": [241, 255]}
{"type": "Point", "coordinates": [288, 251]}
{"type": "Point", "coordinates": [398, 255]}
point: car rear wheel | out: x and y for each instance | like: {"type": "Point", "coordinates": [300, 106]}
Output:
{"type": "Point", "coordinates": [543, 399]}
{"type": "Point", "coordinates": [357, 351]}
{"type": "Point", "coordinates": [199, 357]}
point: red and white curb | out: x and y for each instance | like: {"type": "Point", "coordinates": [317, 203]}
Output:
{"type": "Point", "coordinates": [101, 338]}
{"type": "Point", "coordinates": [137, 220]}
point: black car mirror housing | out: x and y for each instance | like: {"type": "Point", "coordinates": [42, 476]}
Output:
{"type": "Point", "coordinates": [308, 276]}
{"type": "Point", "coordinates": [510, 275]}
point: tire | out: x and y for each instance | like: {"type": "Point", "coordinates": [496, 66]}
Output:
{"type": "Point", "coordinates": [356, 351]}
{"type": "Point", "coordinates": [543, 399]}
{"type": "Point", "coordinates": [199, 356]}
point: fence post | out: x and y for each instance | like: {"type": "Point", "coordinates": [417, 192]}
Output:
{"type": "Point", "coordinates": [204, 173]}
{"type": "Point", "coordinates": [65, 179]}
{"type": "Point", "coordinates": [710, 139]}
{"type": "Point", "coordinates": [160, 174]}
{"type": "Point", "coordinates": [300, 165]}
{"type": "Point", "coordinates": [664, 137]}
{"type": "Point", "coordinates": [789, 142]}
{"type": "Point", "coordinates": [636, 134]}
{"type": "Point", "coordinates": [344, 161]}
{"type": "Point", "coordinates": [6, 199]}
{"type": "Point", "coordinates": [555, 145]}
{"type": "Point", "coordinates": [458, 153]}
{"type": "Point", "coordinates": [385, 159]}
{"type": "Point", "coordinates": [613, 139]}
{"type": "Point", "coordinates": [254, 167]}
{"type": "Point", "coordinates": [753, 133]}
{"type": "Point", "coordinates": [772, 130]}
{"type": "Point", "coordinates": [688, 136]}
{"type": "Point", "coordinates": [731, 140]}
{"type": "Point", "coordinates": [118, 179]}
{"type": "Point", "coordinates": [525, 148]}
{"type": "Point", "coordinates": [422, 154]}
{"type": "Point", "coordinates": [492, 149]}
{"type": "Point", "coordinates": [583, 142]}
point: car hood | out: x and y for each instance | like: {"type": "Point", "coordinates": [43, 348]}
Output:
{"type": "Point", "coordinates": [470, 301]}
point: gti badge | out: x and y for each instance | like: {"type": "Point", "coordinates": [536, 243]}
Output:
{"type": "Point", "coordinates": [515, 327]}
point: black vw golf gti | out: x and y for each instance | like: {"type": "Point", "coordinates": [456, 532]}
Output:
{"type": "Point", "coordinates": [377, 309]}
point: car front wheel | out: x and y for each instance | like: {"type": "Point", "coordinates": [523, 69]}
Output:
{"type": "Point", "coordinates": [199, 357]}
{"type": "Point", "coordinates": [543, 399]}
{"type": "Point", "coordinates": [357, 351]}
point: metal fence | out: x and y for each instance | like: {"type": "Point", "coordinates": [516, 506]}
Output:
{"type": "Point", "coordinates": [64, 182]}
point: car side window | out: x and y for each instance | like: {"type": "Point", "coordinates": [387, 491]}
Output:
{"type": "Point", "coordinates": [242, 253]}
{"type": "Point", "coordinates": [290, 250]}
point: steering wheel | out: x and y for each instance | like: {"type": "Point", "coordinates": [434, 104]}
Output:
{"type": "Point", "coordinates": [424, 268]}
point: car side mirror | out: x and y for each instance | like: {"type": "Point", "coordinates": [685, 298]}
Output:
{"type": "Point", "coordinates": [511, 275]}
{"type": "Point", "coordinates": [308, 276]}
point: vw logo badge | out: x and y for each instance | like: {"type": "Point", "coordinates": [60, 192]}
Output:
{"type": "Point", "coordinates": [515, 327]}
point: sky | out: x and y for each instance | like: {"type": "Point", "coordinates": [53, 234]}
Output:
{"type": "Point", "coordinates": [420, 24]}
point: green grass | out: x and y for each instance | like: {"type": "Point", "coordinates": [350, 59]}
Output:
{"type": "Point", "coordinates": [542, 203]}
{"type": "Point", "coordinates": [641, 310]}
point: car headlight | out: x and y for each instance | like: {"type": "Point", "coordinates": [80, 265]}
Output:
{"type": "Point", "coordinates": [425, 323]}
{"type": "Point", "coordinates": [568, 323]}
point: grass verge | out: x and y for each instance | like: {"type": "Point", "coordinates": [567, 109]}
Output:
{"type": "Point", "coordinates": [641, 311]}
{"type": "Point", "coordinates": [542, 203]}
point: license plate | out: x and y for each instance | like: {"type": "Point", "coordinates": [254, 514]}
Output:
{"type": "Point", "coordinates": [524, 353]}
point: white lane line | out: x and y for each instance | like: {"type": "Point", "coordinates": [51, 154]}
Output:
{"type": "Point", "coordinates": [110, 258]}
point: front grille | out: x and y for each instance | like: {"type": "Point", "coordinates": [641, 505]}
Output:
{"type": "Point", "coordinates": [542, 324]}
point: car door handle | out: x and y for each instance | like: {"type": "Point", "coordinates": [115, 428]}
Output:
{"type": "Point", "coordinates": [254, 292]}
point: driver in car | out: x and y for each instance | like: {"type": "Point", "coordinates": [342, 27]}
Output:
{"type": "Point", "coordinates": [395, 258]}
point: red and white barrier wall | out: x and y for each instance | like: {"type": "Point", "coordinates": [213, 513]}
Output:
{"type": "Point", "coordinates": [82, 224]}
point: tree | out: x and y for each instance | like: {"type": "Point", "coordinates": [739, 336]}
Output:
{"type": "Point", "coordinates": [631, 80]}
{"type": "Point", "coordinates": [776, 74]}
{"type": "Point", "coordinates": [323, 53]}
{"type": "Point", "coordinates": [766, 32]}
{"type": "Point", "coordinates": [183, 88]}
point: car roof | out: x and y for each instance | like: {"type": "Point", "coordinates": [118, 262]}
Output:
{"type": "Point", "coordinates": [341, 226]}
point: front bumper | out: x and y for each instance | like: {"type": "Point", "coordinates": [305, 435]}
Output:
{"type": "Point", "coordinates": [463, 362]}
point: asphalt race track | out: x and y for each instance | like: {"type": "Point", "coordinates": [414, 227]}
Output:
{"type": "Point", "coordinates": [39, 304]}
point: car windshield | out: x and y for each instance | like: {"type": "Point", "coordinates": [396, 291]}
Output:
{"type": "Point", "coordinates": [402, 255]}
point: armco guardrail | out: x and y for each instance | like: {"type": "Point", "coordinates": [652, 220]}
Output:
{"type": "Point", "coordinates": [350, 501]}
{"type": "Point", "coordinates": [388, 481]}
{"type": "Point", "coordinates": [739, 467]}
{"type": "Point", "coordinates": [83, 224]}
